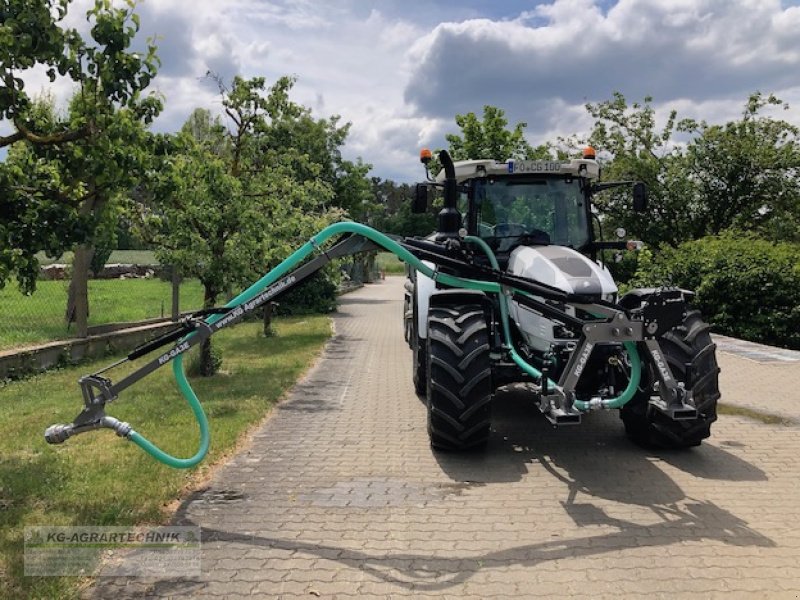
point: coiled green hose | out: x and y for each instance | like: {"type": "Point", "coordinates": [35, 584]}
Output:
{"type": "Point", "coordinates": [291, 262]}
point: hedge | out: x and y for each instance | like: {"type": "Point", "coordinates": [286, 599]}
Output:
{"type": "Point", "coordinates": [746, 287]}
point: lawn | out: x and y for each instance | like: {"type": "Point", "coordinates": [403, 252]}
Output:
{"type": "Point", "coordinates": [390, 264]}
{"type": "Point", "coordinates": [99, 479]}
{"type": "Point", "coordinates": [40, 317]}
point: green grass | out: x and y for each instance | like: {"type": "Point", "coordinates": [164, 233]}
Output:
{"type": "Point", "coordinates": [755, 415]}
{"type": "Point", "coordinates": [133, 257]}
{"type": "Point", "coordinates": [390, 264]}
{"type": "Point", "coordinates": [99, 479]}
{"type": "Point", "coordinates": [40, 317]}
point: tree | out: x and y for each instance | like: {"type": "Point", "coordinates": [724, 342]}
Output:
{"type": "Point", "coordinates": [231, 203]}
{"type": "Point", "coordinates": [69, 167]}
{"type": "Point", "coordinates": [490, 138]}
{"type": "Point", "coordinates": [743, 174]}
{"type": "Point", "coordinates": [394, 214]}
{"type": "Point", "coordinates": [641, 152]}
{"type": "Point", "coordinates": [747, 172]}
{"type": "Point", "coordinates": [314, 147]}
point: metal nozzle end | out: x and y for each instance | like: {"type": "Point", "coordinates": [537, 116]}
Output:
{"type": "Point", "coordinates": [58, 434]}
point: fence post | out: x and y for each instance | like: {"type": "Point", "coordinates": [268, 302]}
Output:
{"type": "Point", "coordinates": [176, 292]}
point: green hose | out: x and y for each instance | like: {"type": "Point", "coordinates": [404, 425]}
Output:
{"type": "Point", "coordinates": [503, 301]}
{"type": "Point", "coordinates": [630, 347]}
{"type": "Point", "coordinates": [292, 261]}
{"type": "Point", "coordinates": [199, 414]}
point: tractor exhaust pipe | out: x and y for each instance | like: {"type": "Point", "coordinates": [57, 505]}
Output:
{"type": "Point", "coordinates": [449, 217]}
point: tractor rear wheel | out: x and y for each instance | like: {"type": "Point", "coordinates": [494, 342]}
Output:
{"type": "Point", "coordinates": [692, 358]}
{"type": "Point", "coordinates": [459, 391]}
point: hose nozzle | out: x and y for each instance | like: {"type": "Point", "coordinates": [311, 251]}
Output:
{"type": "Point", "coordinates": [58, 434]}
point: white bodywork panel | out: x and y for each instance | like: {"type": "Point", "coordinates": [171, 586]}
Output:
{"type": "Point", "coordinates": [562, 268]}
{"type": "Point", "coordinates": [425, 288]}
{"type": "Point", "coordinates": [470, 169]}
{"type": "Point", "coordinates": [559, 267]}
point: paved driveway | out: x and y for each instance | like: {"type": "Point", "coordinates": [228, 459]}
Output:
{"type": "Point", "coordinates": [339, 495]}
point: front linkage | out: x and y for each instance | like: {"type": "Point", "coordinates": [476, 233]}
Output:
{"type": "Point", "coordinates": [635, 327]}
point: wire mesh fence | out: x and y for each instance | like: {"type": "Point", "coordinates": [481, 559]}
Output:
{"type": "Point", "coordinates": [122, 293]}
{"type": "Point", "coordinates": [125, 295]}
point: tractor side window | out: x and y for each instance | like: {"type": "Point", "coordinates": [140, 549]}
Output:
{"type": "Point", "coordinates": [462, 206]}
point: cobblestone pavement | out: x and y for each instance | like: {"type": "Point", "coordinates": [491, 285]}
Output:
{"type": "Point", "coordinates": [340, 495]}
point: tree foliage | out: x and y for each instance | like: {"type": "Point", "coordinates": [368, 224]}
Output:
{"type": "Point", "coordinates": [63, 170]}
{"type": "Point", "coordinates": [236, 198]}
{"type": "Point", "coordinates": [742, 174]}
{"type": "Point", "coordinates": [394, 215]}
{"type": "Point", "coordinates": [642, 152]}
{"type": "Point", "coordinates": [745, 286]}
{"type": "Point", "coordinates": [746, 173]}
{"type": "Point", "coordinates": [491, 138]}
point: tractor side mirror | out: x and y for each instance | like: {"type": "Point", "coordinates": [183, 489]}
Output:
{"type": "Point", "coordinates": [639, 197]}
{"type": "Point", "coordinates": [420, 203]}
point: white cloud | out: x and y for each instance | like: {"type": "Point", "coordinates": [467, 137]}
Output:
{"type": "Point", "coordinates": [400, 73]}
{"type": "Point", "coordinates": [559, 55]}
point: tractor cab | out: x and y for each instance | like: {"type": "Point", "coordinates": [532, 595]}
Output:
{"type": "Point", "coordinates": [530, 203]}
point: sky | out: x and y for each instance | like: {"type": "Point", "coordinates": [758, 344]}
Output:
{"type": "Point", "coordinates": [400, 71]}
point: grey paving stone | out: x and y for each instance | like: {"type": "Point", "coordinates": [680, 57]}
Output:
{"type": "Point", "coordinates": [341, 495]}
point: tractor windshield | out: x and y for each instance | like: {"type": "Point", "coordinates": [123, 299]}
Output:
{"type": "Point", "coordinates": [545, 210]}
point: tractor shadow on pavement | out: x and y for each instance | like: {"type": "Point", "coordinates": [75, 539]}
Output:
{"type": "Point", "coordinates": [593, 468]}
{"type": "Point", "coordinates": [595, 456]}
{"type": "Point", "coordinates": [431, 572]}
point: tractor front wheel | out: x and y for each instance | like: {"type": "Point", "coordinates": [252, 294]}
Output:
{"type": "Point", "coordinates": [459, 391]}
{"type": "Point", "coordinates": [692, 358]}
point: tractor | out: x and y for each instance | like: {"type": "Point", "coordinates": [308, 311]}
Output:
{"type": "Point", "coordinates": [574, 341]}
{"type": "Point", "coordinates": [508, 290]}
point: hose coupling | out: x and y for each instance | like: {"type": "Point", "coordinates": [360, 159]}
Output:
{"type": "Point", "coordinates": [595, 403]}
{"type": "Point", "coordinates": [121, 428]}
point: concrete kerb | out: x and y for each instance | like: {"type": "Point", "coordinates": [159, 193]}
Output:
{"type": "Point", "coordinates": [21, 362]}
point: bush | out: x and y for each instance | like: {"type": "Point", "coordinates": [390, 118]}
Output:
{"type": "Point", "coordinates": [315, 295]}
{"type": "Point", "coordinates": [746, 287]}
{"type": "Point", "coordinates": [624, 270]}
{"type": "Point", "coordinates": [195, 367]}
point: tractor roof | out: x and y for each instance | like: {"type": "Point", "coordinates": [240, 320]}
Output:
{"type": "Point", "coordinates": [471, 169]}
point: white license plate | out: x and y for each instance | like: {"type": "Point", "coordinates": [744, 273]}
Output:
{"type": "Point", "coordinates": [535, 166]}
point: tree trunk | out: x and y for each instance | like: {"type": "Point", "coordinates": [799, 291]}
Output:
{"type": "Point", "coordinates": [369, 267]}
{"type": "Point", "coordinates": [78, 297]}
{"type": "Point", "coordinates": [176, 294]}
{"type": "Point", "coordinates": [208, 364]}
{"type": "Point", "coordinates": [269, 310]}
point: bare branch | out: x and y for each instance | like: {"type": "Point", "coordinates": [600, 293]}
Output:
{"type": "Point", "coordinates": [23, 133]}
{"type": "Point", "coordinates": [10, 139]}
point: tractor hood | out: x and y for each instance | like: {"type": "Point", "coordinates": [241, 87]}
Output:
{"type": "Point", "coordinates": [562, 268]}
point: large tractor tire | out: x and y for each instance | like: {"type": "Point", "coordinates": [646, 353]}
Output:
{"type": "Point", "coordinates": [459, 391]}
{"type": "Point", "coordinates": [691, 356]}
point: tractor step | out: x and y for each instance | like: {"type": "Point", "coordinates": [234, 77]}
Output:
{"type": "Point", "coordinates": [680, 412]}
{"type": "Point", "coordinates": [558, 416]}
